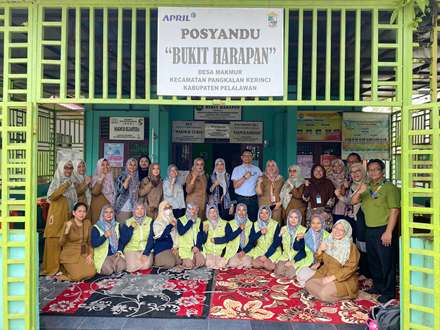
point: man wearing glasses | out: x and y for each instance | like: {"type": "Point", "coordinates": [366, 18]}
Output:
{"type": "Point", "coordinates": [380, 201]}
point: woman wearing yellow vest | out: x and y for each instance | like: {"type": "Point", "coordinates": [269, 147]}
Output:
{"type": "Point", "coordinates": [165, 238]}
{"type": "Point", "coordinates": [138, 251]}
{"type": "Point", "coordinates": [296, 254]}
{"type": "Point", "coordinates": [266, 234]}
{"type": "Point", "coordinates": [190, 238]}
{"type": "Point", "coordinates": [215, 244]}
{"type": "Point", "coordinates": [237, 234]}
{"type": "Point", "coordinates": [108, 239]}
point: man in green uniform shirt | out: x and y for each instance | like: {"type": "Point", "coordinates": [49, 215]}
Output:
{"type": "Point", "coordinates": [380, 202]}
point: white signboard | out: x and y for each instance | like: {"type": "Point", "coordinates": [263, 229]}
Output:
{"type": "Point", "coordinates": [126, 128]}
{"type": "Point", "coordinates": [220, 51]}
{"type": "Point", "coordinates": [188, 132]}
{"type": "Point", "coordinates": [216, 131]}
{"type": "Point", "coordinates": [246, 132]}
{"type": "Point", "coordinates": [217, 112]}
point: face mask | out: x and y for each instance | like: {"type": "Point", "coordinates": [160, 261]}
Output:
{"type": "Point", "coordinates": [168, 212]}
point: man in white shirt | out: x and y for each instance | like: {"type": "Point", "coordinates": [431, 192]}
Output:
{"type": "Point", "coordinates": [244, 178]}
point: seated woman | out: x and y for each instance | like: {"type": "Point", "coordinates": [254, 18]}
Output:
{"type": "Point", "coordinates": [76, 256]}
{"type": "Point", "coordinates": [108, 240]}
{"type": "Point", "coordinates": [165, 238]}
{"type": "Point", "coordinates": [237, 233]}
{"type": "Point", "coordinates": [190, 230]}
{"type": "Point", "coordinates": [267, 240]}
{"type": "Point", "coordinates": [336, 277]}
{"type": "Point", "coordinates": [214, 243]}
{"type": "Point", "coordinates": [296, 254]}
{"type": "Point", "coordinates": [138, 251]}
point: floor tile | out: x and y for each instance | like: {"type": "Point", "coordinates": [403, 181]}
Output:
{"type": "Point", "coordinates": [218, 324]}
{"type": "Point", "coordinates": [102, 323]}
{"type": "Point", "coordinates": [267, 325]}
{"type": "Point", "coordinates": [60, 322]}
{"type": "Point", "coordinates": [165, 324]}
{"type": "Point", "coordinates": [312, 326]}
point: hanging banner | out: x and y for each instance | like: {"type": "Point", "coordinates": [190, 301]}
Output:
{"type": "Point", "coordinates": [217, 112]}
{"type": "Point", "coordinates": [126, 128]}
{"type": "Point", "coordinates": [246, 132]}
{"type": "Point", "coordinates": [114, 153]}
{"type": "Point", "coordinates": [305, 162]}
{"type": "Point", "coordinates": [318, 126]}
{"type": "Point", "coordinates": [188, 132]}
{"type": "Point", "coordinates": [220, 51]}
{"type": "Point", "coordinates": [367, 134]}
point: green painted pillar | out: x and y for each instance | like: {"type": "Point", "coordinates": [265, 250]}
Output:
{"type": "Point", "coordinates": [164, 139]}
{"type": "Point", "coordinates": [290, 136]}
{"type": "Point", "coordinates": [91, 139]}
{"type": "Point", "coordinates": [153, 139]}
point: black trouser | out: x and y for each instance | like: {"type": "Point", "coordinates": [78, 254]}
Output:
{"type": "Point", "coordinates": [382, 261]}
{"type": "Point", "coordinates": [251, 203]}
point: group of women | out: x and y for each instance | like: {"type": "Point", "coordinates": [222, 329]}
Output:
{"type": "Point", "coordinates": [190, 220]}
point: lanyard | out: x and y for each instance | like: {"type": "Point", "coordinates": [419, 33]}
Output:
{"type": "Point", "coordinates": [374, 193]}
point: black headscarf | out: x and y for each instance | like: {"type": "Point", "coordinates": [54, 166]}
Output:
{"type": "Point", "coordinates": [143, 172]}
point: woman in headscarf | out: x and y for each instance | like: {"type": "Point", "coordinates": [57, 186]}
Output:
{"type": "Point", "coordinates": [292, 192]}
{"type": "Point", "coordinates": [337, 176]}
{"type": "Point", "coordinates": [103, 189]}
{"type": "Point", "coordinates": [151, 190]}
{"type": "Point", "coordinates": [221, 190]}
{"type": "Point", "coordinates": [143, 166]}
{"type": "Point", "coordinates": [127, 188]}
{"type": "Point", "coordinates": [76, 256]}
{"type": "Point", "coordinates": [296, 255]}
{"type": "Point", "coordinates": [173, 190]}
{"type": "Point", "coordinates": [214, 246]}
{"type": "Point", "coordinates": [166, 253]}
{"type": "Point", "coordinates": [237, 236]}
{"type": "Point", "coordinates": [269, 188]}
{"type": "Point", "coordinates": [108, 240]}
{"type": "Point", "coordinates": [267, 240]}
{"type": "Point", "coordinates": [138, 251]}
{"type": "Point", "coordinates": [336, 278]}
{"type": "Point", "coordinates": [196, 185]}
{"type": "Point", "coordinates": [81, 182]}
{"type": "Point", "coordinates": [190, 238]}
{"type": "Point", "coordinates": [62, 197]}
{"type": "Point", "coordinates": [319, 192]}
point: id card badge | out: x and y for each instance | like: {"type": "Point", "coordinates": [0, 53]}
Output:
{"type": "Point", "coordinates": [318, 199]}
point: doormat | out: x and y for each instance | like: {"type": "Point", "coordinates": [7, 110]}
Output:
{"type": "Point", "coordinates": [154, 293]}
{"type": "Point", "coordinates": [254, 294]}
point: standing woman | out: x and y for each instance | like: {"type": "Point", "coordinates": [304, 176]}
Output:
{"type": "Point", "coordinates": [127, 187]}
{"type": "Point", "coordinates": [337, 176]}
{"type": "Point", "coordinates": [138, 251]}
{"type": "Point", "coordinates": [143, 166]}
{"type": "Point", "coordinates": [151, 190]}
{"type": "Point", "coordinates": [62, 197]}
{"type": "Point", "coordinates": [103, 189]}
{"type": "Point", "coordinates": [215, 244]}
{"type": "Point", "coordinates": [266, 234]}
{"type": "Point", "coordinates": [292, 192]}
{"type": "Point", "coordinates": [173, 190]}
{"type": "Point", "coordinates": [269, 188]}
{"type": "Point", "coordinates": [165, 238]}
{"type": "Point", "coordinates": [81, 182]}
{"type": "Point", "coordinates": [196, 185]}
{"type": "Point", "coordinates": [221, 190]}
{"type": "Point", "coordinates": [108, 239]}
{"type": "Point", "coordinates": [77, 254]}
{"type": "Point", "coordinates": [319, 192]}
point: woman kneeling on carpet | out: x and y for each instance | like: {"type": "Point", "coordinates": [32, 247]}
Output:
{"type": "Point", "coordinates": [237, 233]}
{"type": "Point", "coordinates": [165, 238]}
{"type": "Point", "coordinates": [108, 240]}
{"type": "Point", "coordinates": [138, 251]}
{"type": "Point", "coordinates": [214, 239]}
{"type": "Point", "coordinates": [336, 277]}
{"type": "Point", "coordinates": [296, 254]}
{"type": "Point", "coordinates": [190, 230]}
{"type": "Point", "coordinates": [76, 256]}
{"type": "Point", "coordinates": [266, 234]}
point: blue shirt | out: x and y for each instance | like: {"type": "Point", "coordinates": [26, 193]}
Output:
{"type": "Point", "coordinates": [248, 187]}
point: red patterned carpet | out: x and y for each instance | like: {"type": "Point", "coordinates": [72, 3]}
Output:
{"type": "Point", "coordinates": [259, 295]}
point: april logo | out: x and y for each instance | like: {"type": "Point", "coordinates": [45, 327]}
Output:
{"type": "Point", "coordinates": [272, 19]}
{"type": "Point", "coordinates": [179, 18]}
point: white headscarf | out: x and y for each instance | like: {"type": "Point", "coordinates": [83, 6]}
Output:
{"type": "Point", "coordinates": [79, 178]}
{"type": "Point", "coordinates": [58, 179]}
{"type": "Point", "coordinates": [162, 221]}
{"type": "Point", "coordinates": [340, 248]}
{"type": "Point", "coordinates": [291, 182]}
{"type": "Point", "coordinates": [108, 186]}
